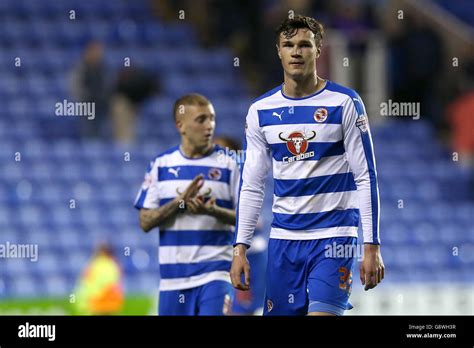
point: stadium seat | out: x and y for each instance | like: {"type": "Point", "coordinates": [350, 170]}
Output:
{"type": "Point", "coordinates": [24, 286]}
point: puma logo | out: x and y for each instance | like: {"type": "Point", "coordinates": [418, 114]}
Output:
{"type": "Point", "coordinates": [278, 115]}
{"type": "Point", "coordinates": [173, 171]}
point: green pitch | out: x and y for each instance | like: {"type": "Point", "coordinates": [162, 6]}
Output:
{"type": "Point", "coordinates": [134, 305]}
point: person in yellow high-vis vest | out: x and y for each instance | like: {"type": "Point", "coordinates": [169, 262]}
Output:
{"type": "Point", "coordinates": [100, 290]}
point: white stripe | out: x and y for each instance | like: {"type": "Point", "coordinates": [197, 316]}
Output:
{"type": "Point", "coordinates": [194, 254]}
{"type": "Point", "coordinates": [188, 221]}
{"type": "Point", "coordinates": [315, 203]}
{"type": "Point", "coordinates": [325, 132]}
{"type": "Point", "coordinates": [325, 98]}
{"type": "Point", "coordinates": [219, 190]}
{"type": "Point", "coordinates": [176, 159]}
{"type": "Point", "coordinates": [271, 102]}
{"type": "Point", "coordinates": [330, 232]}
{"type": "Point", "coordinates": [151, 200]}
{"type": "Point", "coordinates": [166, 158]}
{"type": "Point", "coordinates": [194, 281]}
{"type": "Point", "coordinates": [309, 169]}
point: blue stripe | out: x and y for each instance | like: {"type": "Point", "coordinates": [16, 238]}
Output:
{"type": "Point", "coordinates": [195, 237]}
{"type": "Point", "coordinates": [190, 172]}
{"type": "Point", "coordinates": [334, 218]}
{"type": "Point", "coordinates": [181, 270]}
{"type": "Point", "coordinates": [332, 86]}
{"type": "Point", "coordinates": [373, 185]}
{"type": "Point", "coordinates": [220, 202]}
{"type": "Point", "coordinates": [298, 115]}
{"type": "Point", "coordinates": [311, 186]}
{"type": "Point", "coordinates": [141, 199]}
{"type": "Point", "coordinates": [280, 150]}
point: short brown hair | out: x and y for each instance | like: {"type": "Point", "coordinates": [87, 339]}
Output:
{"type": "Point", "coordinates": [189, 99]}
{"type": "Point", "coordinates": [290, 26]}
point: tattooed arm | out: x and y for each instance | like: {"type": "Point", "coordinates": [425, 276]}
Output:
{"type": "Point", "coordinates": [197, 206]}
{"type": "Point", "coordinates": [151, 218]}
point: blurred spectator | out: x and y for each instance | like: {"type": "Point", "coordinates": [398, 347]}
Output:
{"type": "Point", "coordinates": [133, 86]}
{"type": "Point", "coordinates": [241, 31]}
{"type": "Point", "coordinates": [227, 143]}
{"type": "Point", "coordinates": [354, 19]}
{"type": "Point", "coordinates": [416, 66]}
{"type": "Point", "coordinates": [232, 146]}
{"type": "Point", "coordinates": [460, 113]}
{"type": "Point", "coordinates": [100, 290]}
{"type": "Point", "coordinates": [89, 83]}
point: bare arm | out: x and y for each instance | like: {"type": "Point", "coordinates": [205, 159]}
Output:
{"type": "Point", "coordinates": [224, 215]}
{"type": "Point", "coordinates": [151, 218]}
{"type": "Point", "coordinates": [197, 206]}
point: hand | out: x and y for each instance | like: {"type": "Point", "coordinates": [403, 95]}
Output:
{"type": "Point", "coordinates": [193, 188]}
{"type": "Point", "coordinates": [196, 205]}
{"type": "Point", "coordinates": [372, 269]}
{"type": "Point", "coordinates": [210, 205]}
{"type": "Point", "coordinates": [240, 264]}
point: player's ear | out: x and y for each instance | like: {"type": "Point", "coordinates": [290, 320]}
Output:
{"type": "Point", "coordinates": [179, 126]}
{"type": "Point", "coordinates": [278, 50]}
{"type": "Point", "coordinates": [318, 52]}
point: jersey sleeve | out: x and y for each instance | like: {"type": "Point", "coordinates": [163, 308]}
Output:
{"type": "Point", "coordinates": [360, 155]}
{"type": "Point", "coordinates": [234, 183]}
{"type": "Point", "coordinates": [252, 184]}
{"type": "Point", "coordinates": [148, 196]}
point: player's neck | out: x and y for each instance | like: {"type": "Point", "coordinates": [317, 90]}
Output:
{"type": "Point", "coordinates": [190, 151]}
{"type": "Point", "coordinates": [304, 87]}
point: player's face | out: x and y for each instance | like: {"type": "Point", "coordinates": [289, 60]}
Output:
{"type": "Point", "coordinates": [197, 125]}
{"type": "Point", "coordinates": [298, 54]}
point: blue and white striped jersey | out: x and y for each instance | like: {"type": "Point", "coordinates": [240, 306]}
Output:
{"type": "Point", "coordinates": [194, 249]}
{"type": "Point", "coordinates": [324, 172]}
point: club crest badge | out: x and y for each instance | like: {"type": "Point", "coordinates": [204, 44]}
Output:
{"type": "Point", "coordinates": [320, 115]}
{"type": "Point", "coordinates": [362, 123]}
{"type": "Point", "coordinates": [214, 174]}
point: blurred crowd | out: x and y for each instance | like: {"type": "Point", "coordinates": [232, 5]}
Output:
{"type": "Point", "coordinates": [249, 28]}
{"type": "Point", "coordinates": [419, 67]}
{"type": "Point", "coordinates": [117, 95]}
